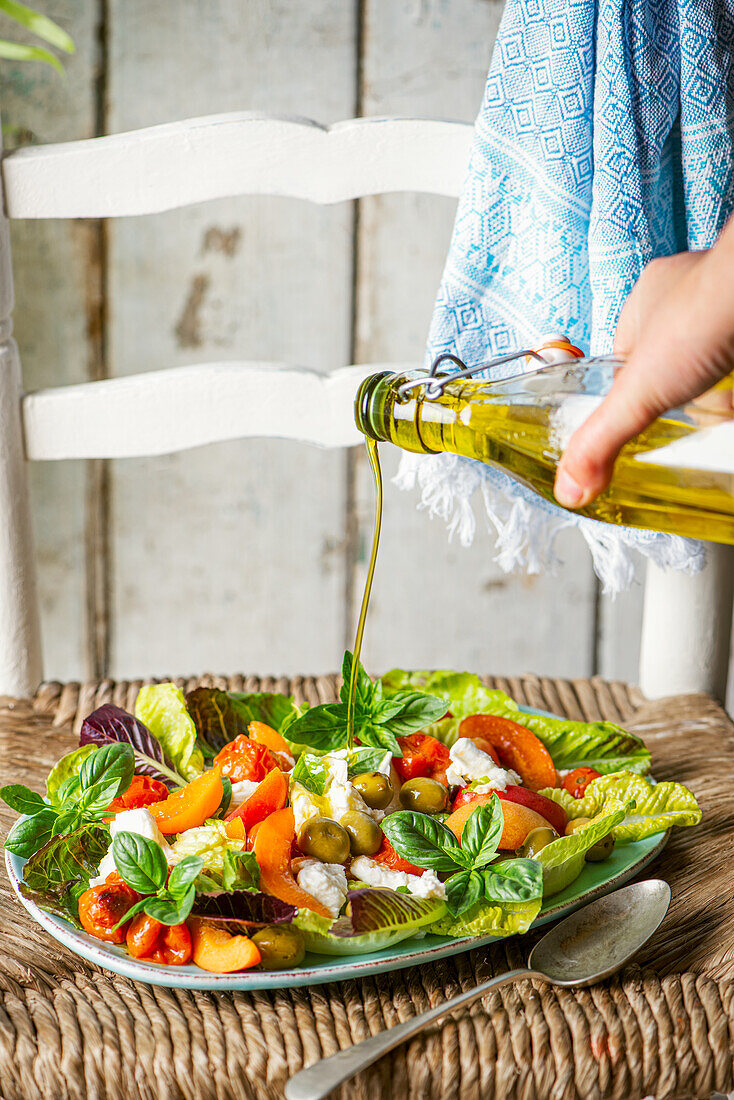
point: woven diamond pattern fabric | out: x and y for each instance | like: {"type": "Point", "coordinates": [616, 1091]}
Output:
{"type": "Point", "coordinates": [604, 140]}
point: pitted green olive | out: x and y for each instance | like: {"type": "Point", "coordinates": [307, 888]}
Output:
{"type": "Point", "coordinates": [365, 835]}
{"type": "Point", "coordinates": [535, 841]}
{"type": "Point", "coordinates": [601, 850]}
{"type": "Point", "coordinates": [427, 796]}
{"type": "Point", "coordinates": [324, 839]}
{"type": "Point", "coordinates": [375, 788]}
{"type": "Point", "coordinates": [281, 946]}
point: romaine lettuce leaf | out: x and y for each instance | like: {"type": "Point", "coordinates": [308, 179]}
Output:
{"type": "Point", "coordinates": [374, 918]}
{"type": "Point", "coordinates": [162, 708]}
{"type": "Point", "coordinates": [273, 709]}
{"type": "Point", "coordinates": [657, 806]}
{"type": "Point", "coordinates": [563, 860]}
{"type": "Point", "coordinates": [57, 875]}
{"type": "Point", "coordinates": [216, 717]}
{"type": "Point", "coordinates": [209, 842]}
{"type": "Point", "coordinates": [64, 769]}
{"type": "Point", "coordinates": [484, 919]}
{"type": "Point", "coordinates": [463, 692]}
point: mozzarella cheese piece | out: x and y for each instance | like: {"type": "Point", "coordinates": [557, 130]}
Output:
{"type": "Point", "coordinates": [469, 763]}
{"type": "Point", "coordinates": [427, 885]}
{"type": "Point", "coordinates": [140, 821]}
{"type": "Point", "coordinates": [241, 792]}
{"type": "Point", "coordinates": [326, 882]}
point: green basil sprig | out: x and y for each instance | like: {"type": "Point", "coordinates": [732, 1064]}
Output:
{"type": "Point", "coordinates": [378, 721]}
{"type": "Point", "coordinates": [311, 773]}
{"type": "Point", "coordinates": [142, 865]}
{"type": "Point", "coordinates": [82, 799]}
{"type": "Point", "coordinates": [474, 877]}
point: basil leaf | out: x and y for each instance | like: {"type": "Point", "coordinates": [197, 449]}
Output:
{"type": "Point", "coordinates": [365, 760]}
{"type": "Point", "coordinates": [379, 736]}
{"type": "Point", "coordinates": [424, 841]}
{"type": "Point", "coordinates": [482, 832]}
{"type": "Point", "coordinates": [183, 874]}
{"type": "Point", "coordinates": [140, 861]}
{"type": "Point", "coordinates": [67, 821]}
{"type": "Point", "coordinates": [59, 872]}
{"type": "Point", "coordinates": [310, 772]}
{"type": "Point", "coordinates": [417, 711]}
{"type": "Point", "coordinates": [464, 890]}
{"type": "Point", "coordinates": [366, 693]}
{"type": "Point", "coordinates": [115, 761]}
{"type": "Point", "coordinates": [99, 795]}
{"type": "Point", "coordinates": [241, 871]}
{"type": "Point", "coordinates": [32, 833]}
{"type": "Point", "coordinates": [321, 727]}
{"type": "Point", "coordinates": [69, 790]}
{"type": "Point", "coordinates": [513, 880]}
{"type": "Point", "coordinates": [22, 799]}
{"type": "Point", "coordinates": [131, 912]}
{"type": "Point", "coordinates": [169, 910]}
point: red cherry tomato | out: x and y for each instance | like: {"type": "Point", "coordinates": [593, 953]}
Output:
{"type": "Point", "coordinates": [388, 857]}
{"type": "Point", "coordinates": [176, 940]}
{"type": "Point", "coordinates": [578, 780]}
{"type": "Point", "coordinates": [245, 759]}
{"type": "Point", "coordinates": [143, 791]}
{"type": "Point", "coordinates": [101, 907]}
{"type": "Point", "coordinates": [142, 936]}
{"type": "Point", "coordinates": [423, 755]}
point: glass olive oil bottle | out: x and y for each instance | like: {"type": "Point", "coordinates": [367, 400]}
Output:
{"type": "Point", "coordinates": [522, 424]}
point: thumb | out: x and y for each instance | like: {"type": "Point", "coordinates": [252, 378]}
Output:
{"type": "Point", "coordinates": [587, 464]}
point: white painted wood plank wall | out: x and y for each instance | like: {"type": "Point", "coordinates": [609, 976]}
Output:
{"type": "Point", "coordinates": [249, 555]}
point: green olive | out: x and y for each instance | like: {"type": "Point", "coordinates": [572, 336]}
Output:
{"type": "Point", "coordinates": [427, 796]}
{"type": "Point", "coordinates": [365, 835]}
{"type": "Point", "coordinates": [281, 946]}
{"type": "Point", "coordinates": [601, 850]}
{"type": "Point", "coordinates": [576, 824]}
{"type": "Point", "coordinates": [375, 788]}
{"type": "Point", "coordinates": [324, 839]}
{"type": "Point", "coordinates": [535, 841]}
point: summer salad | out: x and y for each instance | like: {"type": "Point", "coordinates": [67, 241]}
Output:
{"type": "Point", "coordinates": [233, 830]}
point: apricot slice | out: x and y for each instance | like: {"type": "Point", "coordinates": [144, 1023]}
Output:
{"type": "Point", "coordinates": [518, 821]}
{"type": "Point", "coordinates": [190, 806]}
{"type": "Point", "coordinates": [273, 853]}
{"type": "Point", "coordinates": [270, 738]}
{"type": "Point", "coordinates": [517, 747]}
{"type": "Point", "coordinates": [271, 794]}
{"type": "Point", "coordinates": [214, 949]}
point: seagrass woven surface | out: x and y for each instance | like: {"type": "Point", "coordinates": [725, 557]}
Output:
{"type": "Point", "coordinates": [663, 1028]}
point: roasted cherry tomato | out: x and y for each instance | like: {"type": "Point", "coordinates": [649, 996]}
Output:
{"type": "Point", "coordinates": [423, 757]}
{"type": "Point", "coordinates": [101, 907]}
{"type": "Point", "coordinates": [142, 936]}
{"type": "Point", "coordinates": [245, 759]}
{"type": "Point", "coordinates": [143, 791]}
{"type": "Point", "coordinates": [388, 857]}
{"type": "Point", "coordinates": [578, 780]}
{"type": "Point", "coordinates": [176, 943]}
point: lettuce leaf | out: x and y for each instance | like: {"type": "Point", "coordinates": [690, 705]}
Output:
{"type": "Point", "coordinates": [275, 710]}
{"type": "Point", "coordinates": [374, 918]}
{"type": "Point", "coordinates": [238, 910]}
{"type": "Point", "coordinates": [463, 692]}
{"type": "Point", "coordinates": [484, 919]}
{"type": "Point", "coordinates": [108, 725]}
{"type": "Point", "coordinates": [657, 806]}
{"type": "Point", "coordinates": [563, 860]}
{"type": "Point", "coordinates": [58, 874]}
{"type": "Point", "coordinates": [65, 768]}
{"type": "Point", "coordinates": [162, 708]}
{"type": "Point", "coordinates": [217, 718]}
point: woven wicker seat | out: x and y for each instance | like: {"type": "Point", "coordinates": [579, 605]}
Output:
{"type": "Point", "coordinates": [665, 1027]}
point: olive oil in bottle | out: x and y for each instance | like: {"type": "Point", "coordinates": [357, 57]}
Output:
{"type": "Point", "coordinates": [522, 424]}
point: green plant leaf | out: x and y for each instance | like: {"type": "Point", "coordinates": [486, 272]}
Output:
{"type": "Point", "coordinates": [115, 762]}
{"type": "Point", "coordinates": [22, 799]}
{"type": "Point", "coordinates": [38, 24]}
{"type": "Point", "coordinates": [464, 890]}
{"type": "Point", "coordinates": [183, 875]}
{"type": "Point", "coordinates": [241, 871]}
{"type": "Point", "coordinates": [65, 769]}
{"type": "Point", "coordinates": [169, 910]}
{"type": "Point", "coordinates": [377, 735]}
{"type": "Point", "coordinates": [162, 708]}
{"type": "Point", "coordinates": [68, 792]}
{"type": "Point", "coordinates": [366, 692]}
{"type": "Point", "coordinates": [17, 51]}
{"type": "Point", "coordinates": [362, 760]}
{"type": "Point", "coordinates": [513, 880]}
{"type": "Point", "coordinates": [310, 772]}
{"type": "Point", "coordinates": [657, 806]}
{"type": "Point", "coordinates": [424, 841]}
{"type": "Point", "coordinates": [417, 710]}
{"type": "Point", "coordinates": [140, 861]}
{"type": "Point", "coordinates": [31, 833]}
{"type": "Point", "coordinates": [274, 710]}
{"type": "Point", "coordinates": [321, 727]}
{"type": "Point", "coordinates": [482, 832]}
{"type": "Point", "coordinates": [57, 874]}
{"type": "Point", "coordinates": [485, 919]}
{"type": "Point", "coordinates": [217, 717]}
{"type": "Point", "coordinates": [226, 796]}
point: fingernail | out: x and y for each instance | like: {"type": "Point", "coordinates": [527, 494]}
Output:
{"type": "Point", "coordinates": [567, 491]}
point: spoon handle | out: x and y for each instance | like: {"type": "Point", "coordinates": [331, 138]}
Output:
{"type": "Point", "coordinates": [320, 1079]}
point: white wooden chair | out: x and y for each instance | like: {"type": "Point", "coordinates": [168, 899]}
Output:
{"type": "Point", "coordinates": [687, 621]}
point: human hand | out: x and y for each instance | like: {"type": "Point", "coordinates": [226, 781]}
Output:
{"type": "Point", "coordinates": [676, 332]}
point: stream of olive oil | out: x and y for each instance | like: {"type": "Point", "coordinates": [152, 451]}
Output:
{"type": "Point", "coordinates": [374, 461]}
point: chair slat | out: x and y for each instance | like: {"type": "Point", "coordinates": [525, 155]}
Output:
{"type": "Point", "coordinates": [162, 412]}
{"type": "Point", "coordinates": [177, 164]}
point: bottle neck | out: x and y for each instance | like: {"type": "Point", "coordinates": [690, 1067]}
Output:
{"type": "Point", "coordinates": [369, 406]}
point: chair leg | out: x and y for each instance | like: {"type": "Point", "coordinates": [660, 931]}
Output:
{"type": "Point", "coordinates": [20, 644]}
{"type": "Point", "coordinates": [686, 627]}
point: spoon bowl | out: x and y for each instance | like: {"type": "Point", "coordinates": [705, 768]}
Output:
{"type": "Point", "coordinates": [596, 941]}
{"type": "Point", "coordinates": [586, 947]}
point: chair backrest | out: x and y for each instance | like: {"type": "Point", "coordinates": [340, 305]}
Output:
{"type": "Point", "coordinates": [150, 171]}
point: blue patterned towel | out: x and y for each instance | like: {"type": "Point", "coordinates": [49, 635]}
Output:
{"type": "Point", "coordinates": [604, 140]}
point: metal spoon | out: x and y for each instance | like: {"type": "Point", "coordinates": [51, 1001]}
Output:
{"type": "Point", "coordinates": [586, 947]}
